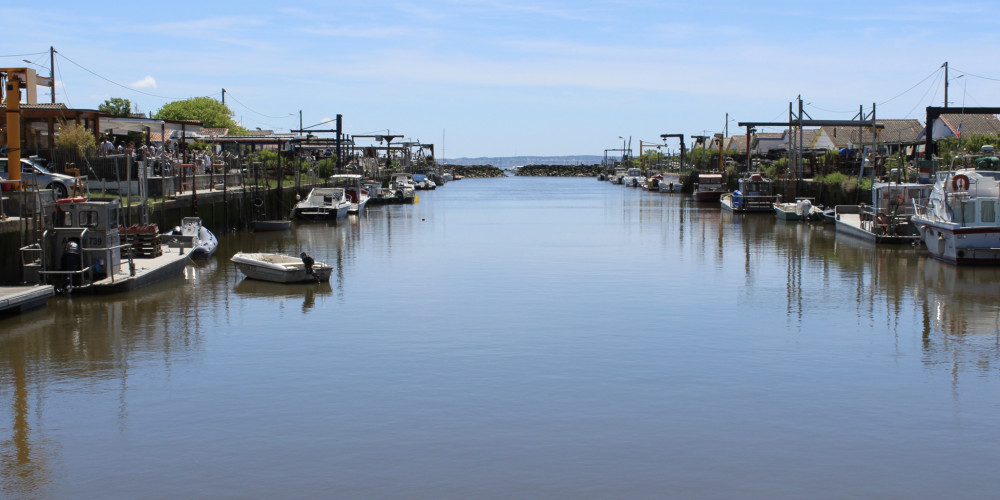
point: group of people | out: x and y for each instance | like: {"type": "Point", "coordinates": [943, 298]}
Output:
{"type": "Point", "coordinates": [201, 159]}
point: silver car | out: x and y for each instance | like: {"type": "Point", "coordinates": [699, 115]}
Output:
{"type": "Point", "coordinates": [35, 175]}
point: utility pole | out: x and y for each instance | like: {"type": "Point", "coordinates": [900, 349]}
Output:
{"type": "Point", "coordinates": [52, 71]}
{"type": "Point", "coordinates": [945, 66]}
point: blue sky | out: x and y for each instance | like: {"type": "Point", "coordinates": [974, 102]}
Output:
{"type": "Point", "coordinates": [502, 78]}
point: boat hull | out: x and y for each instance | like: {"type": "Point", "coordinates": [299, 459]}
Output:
{"type": "Point", "coordinates": [320, 213]}
{"type": "Point", "coordinates": [961, 245]}
{"type": "Point", "coordinates": [707, 196]}
{"type": "Point", "coordinates": [850, 222]}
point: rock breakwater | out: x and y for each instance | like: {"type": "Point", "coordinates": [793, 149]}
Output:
{"type": "Point", "coordinates": [559, 170]}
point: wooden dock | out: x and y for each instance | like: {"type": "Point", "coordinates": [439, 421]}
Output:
{"type": "Point", "coordinates": [16, 299]}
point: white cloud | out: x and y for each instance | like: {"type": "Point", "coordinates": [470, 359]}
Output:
{"type": "Point", "coordinates": [146, 83]}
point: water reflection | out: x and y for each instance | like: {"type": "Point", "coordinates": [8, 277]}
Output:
{"type": "Point", "coordinates": [307, 293]}
{"type": "Point", "coordinates": [800, 273]}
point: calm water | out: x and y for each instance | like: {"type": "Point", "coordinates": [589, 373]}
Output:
{"type": "Point", "coordinates": [520, 338]}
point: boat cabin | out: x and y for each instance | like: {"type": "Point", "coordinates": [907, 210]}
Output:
{"type": "Point", "coordinates": [81, 244]}
{"type": "Point", "coordinates": [898, 197]}
{"type": "Point", "coordinates": [710, 181]}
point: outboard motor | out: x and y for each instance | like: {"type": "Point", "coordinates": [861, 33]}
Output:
{"type": "Point", "coordinates": [71, 256]}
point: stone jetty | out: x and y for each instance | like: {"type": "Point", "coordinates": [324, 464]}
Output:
{"type": "Point", "coordinates": [471, 171]}
{"type": "Point", "coordinates": [559, 170]}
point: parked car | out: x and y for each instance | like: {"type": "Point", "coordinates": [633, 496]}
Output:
{"type": "Point", "coordinates": [35, 175]}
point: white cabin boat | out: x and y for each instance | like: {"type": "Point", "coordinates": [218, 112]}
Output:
{"type": "Point", "coordinates": [633, 178]}
{"type": "Point", "coordinates": [959, 222]}
{"type": "Point", "coordinates": [327, 203]}
{"type": "Point", "coordinates": [281, 268]}
{"type": "Point", "coordinates": [402, 188]}
{"type": "Point", "coordinates": [353, 190]}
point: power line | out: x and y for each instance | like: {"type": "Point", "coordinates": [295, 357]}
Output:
{"type": "Point", "coordinates": [913, 87]}
{"type": "Point", "coordinates": [116, 83]}
{"type": "Point", "coordinates": [811, 105]}
{"type": "Point", "coordinates": [26, 55]}
{"type": "Point", "coordinates": [977, 76]}
{"type": "Point", "coordinates": [64, 91]}
{"type": "Point", "coordinates": [230, 94]}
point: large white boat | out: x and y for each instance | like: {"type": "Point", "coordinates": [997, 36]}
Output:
{"type": "Point", "coordinates": [959, 222]}
{"type": "Point", "coordinates": [327, 203]}
{"type": "Point", "coordinates": [281, 268]}
{"type": "Point", "coordinates": [887, 219]}
{"type": "Point", "coordinates": [356, 193]}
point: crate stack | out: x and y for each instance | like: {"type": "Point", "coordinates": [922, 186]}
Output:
{"type": "Point", "coordinates": [145, 240]}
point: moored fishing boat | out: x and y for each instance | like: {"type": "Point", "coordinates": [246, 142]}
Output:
{"type": "Point", "coordinates": [83, 250]}
{"type": "Point", "coordinates": [801, 209]}
{"type": "Point", "coordinates": [354, 191]}
{"type": "Point", "coordinates": [959, 222]}
{"type": "Point", "coordinates": [633, 178]}
{"type": "Point", "coordinates": [325, 203]}
{"type": "Point", "coordinates": [402, 189]}
{"type": "Point", "coordinates": [753, 195]}
{"type": "Point", "coordinates": [887, 219]}
{"type": "Point", "coordinates": [709, 188]}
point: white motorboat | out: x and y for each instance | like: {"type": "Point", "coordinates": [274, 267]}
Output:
{"type": "Point", "coordinates": [801, 209]}
{"type": "Point", "coordinates": [281, 268]}
{"type": "Point", "coordinates": [422, 181]}
{"type": "Point", "coordinates": [353, 190]}
{"type": "Point", "coordinates": [192, 234]}
{"type": "Point", "coordinates": [618, 176]}
{"type": "Point", "coordinates": [402, 188]}
{"type": "Point", "coordinates": [959, 222]}
{"type": "Point", "coordinates": [633, 178]}
{"type": "Point", "coordinates": [327, 203]}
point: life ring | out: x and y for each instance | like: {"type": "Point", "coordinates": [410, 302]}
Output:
{"type": "Point", "coordinates": [78, 199]}
{"type": "Point", "coordinates": [960, 182]}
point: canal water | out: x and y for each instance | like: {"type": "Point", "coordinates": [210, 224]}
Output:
{"type": "Point", "coordinates": [519, 338]}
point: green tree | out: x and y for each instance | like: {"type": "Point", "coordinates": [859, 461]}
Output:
{"type": "Point", "coordinates": [75, 137]}
{"type": "Point", "coordinates": [211, 113]}
{"type": "Point", "coordinates": [116, 106]}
